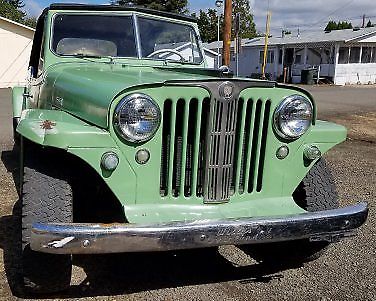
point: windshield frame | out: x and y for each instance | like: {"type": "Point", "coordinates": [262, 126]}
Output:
{"type": "Point", "coordinates": [134, 16]}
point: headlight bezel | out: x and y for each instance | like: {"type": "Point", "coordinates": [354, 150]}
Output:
{"type": "Point", "coordinates": [277, 113]}
{"type": "Point", "coordinates": [117, 117]}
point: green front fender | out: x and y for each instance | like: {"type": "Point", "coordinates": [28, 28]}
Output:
{"type": "Point", "coordinates": [61, 130]}
{"type": "Point", "coordinates": [325, 135]}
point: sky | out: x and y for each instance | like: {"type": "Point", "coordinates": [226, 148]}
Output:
{"type": "Point", "coordinates": [304, 15]}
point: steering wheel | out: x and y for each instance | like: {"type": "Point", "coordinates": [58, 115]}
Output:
{"type": "Point", "coordinates": [168, 51]}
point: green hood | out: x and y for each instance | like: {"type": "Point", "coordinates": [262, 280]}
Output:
{"type": "Point", "coordinates": [86, 90]}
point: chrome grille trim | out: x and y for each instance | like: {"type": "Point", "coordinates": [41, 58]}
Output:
{"type": "Point", "coordinates": [220, 147]}
{"type": "Point", "coordinates": [215, 148]}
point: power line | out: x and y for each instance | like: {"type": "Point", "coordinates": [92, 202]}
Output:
{"type": "Point", "coordinates": [324, 23]}
{"type": "Point", "coordinates": [322, 19]}
{"type": "Point", "coordinates": [333, 12]}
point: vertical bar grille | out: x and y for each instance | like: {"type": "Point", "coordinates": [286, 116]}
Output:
{"type": "Point", "coordinates": [213, 149]}
{"type": "Point", "coordinates": [221, 141]}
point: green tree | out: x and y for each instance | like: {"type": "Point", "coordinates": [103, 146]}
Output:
{"type": "Point", "coordinates": [176, 6]}
{"type": "Point", "coordinates": [208, 25]}
{"type": "Point", "coordinates": [332, 25]}
{"type": "Point", "coordinates": [30, 21]}
{"type": "Point", "coordinates": [208, 22]}
{"type": "Point", "coordinates": [369, 24]}
{"type": "Point", "coordinates": [247, 25]}
{"type": "Point", "coordinates": [344, 25]}
{"type": "Point", "coordinates": [17, 3]}
{"type": "Point", "coordinates": [10, 11]}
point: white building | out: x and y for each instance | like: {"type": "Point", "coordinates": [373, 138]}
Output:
{"type": "Point", "coordinates": [343, 56]}
{"type": "Point", "coordinates": [15, 47]}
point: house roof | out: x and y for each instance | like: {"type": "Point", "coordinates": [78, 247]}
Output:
{"type": "Point", "coordinates": [309, 37]}
{"type": "Point", "coordinates": [16, 23]}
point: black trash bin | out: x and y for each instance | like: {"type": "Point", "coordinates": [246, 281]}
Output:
{"type": "Point", "coordinates": [307, 76]}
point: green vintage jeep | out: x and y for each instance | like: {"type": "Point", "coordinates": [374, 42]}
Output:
{"type": "Point", "coordinates": [130, 143]}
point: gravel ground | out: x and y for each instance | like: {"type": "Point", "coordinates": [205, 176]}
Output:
{"type": "Point", "coordinates": [346, 272]}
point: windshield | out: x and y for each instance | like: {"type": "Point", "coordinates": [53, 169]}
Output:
{"type": "Point", "coordinates": [115, 36]}
{"type": "Point", "coordinates": [166, 40]}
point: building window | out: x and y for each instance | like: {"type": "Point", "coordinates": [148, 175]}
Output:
{"type": "Point", "coordinates": [354, 55]}
{"type": "Point", "coordinates": [343, 55]}
{"type": "Point", "coordinates": [298, 59]}
{"type": "Point", "coordinates": [269, 58]}
{"type": "Point", "coordinates": [366, 55]}
{"type": "Point", "coordinates": [373, 59]}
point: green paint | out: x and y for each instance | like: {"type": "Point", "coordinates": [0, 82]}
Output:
{"type": "Point", "coordinates": [17, 100]}
{"type": "Point", "coordinates": [77, 98]}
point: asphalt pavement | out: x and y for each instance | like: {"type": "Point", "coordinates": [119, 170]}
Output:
{"type": "Point", "coordinates": [345, 272]}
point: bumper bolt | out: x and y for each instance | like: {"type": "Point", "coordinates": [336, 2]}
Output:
{"type": "Point", "coordinates": [86, 243]}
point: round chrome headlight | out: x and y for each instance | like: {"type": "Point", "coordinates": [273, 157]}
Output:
{"type": "Point", "coordinates": [137, 117]}
{"type": "Point", "coordinates": [293, 117]}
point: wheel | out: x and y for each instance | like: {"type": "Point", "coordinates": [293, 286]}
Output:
{"type": "Point", "coordinates": [316, 192]}
{"type": "Point", "coordinates": [46, 197]}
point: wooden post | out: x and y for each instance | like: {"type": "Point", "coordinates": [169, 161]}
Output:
{"type": "Point", "coordinates": [305, 56]}
{"type": "Point", "coordinates": [227, 33]}
{"type": "Point", "coordinates": [266, 44]}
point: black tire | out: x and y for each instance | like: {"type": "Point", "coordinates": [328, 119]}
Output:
{"type": "Point", "coordinates": [316, 192]}
{"type": "Point", "coordinates": [46, 197]}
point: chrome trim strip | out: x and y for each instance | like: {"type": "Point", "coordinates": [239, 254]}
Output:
{"type": "Point", "coordinates": [137, 35]}
{"type": "Point", "coordinates": [117, 238]}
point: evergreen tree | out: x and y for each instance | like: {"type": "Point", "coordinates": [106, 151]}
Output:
{"type": "Point", "coordinates": [10, 11]}
{"type": "Point", "coordinates": [208, 22]}
{"type": "Point", "coordinates": [30, 21]}
{"type": "Point", "coordinates": [208, 25]}
{"type": "Point", "coordinates": [369, 24]}
{"type": "Point", "coordinates": [16, 3]}
{"type": "Point", "coordinates": [332, 25]}
{"type": "Point", "coordinates": [247, 25]}
{"type": "Point", "coordinates": [175, 6]}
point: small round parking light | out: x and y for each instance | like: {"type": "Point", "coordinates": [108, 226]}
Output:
{"type": "Point", "coordinates": [312, 152]}
{"type": "Point", "coordinates": [142, 156]}
{"type": "Point", "coordinates": [282, 152]}
{"type": "Point", "coordinates": [110, 161]}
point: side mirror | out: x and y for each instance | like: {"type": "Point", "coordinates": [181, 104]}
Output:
{"type": "Point", "coordinates": [30, 73]}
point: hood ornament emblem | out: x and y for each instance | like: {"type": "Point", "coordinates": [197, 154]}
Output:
{"type": "Point", "coordinates": [226, 90]}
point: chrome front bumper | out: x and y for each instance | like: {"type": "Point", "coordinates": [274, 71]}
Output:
{"type": "Point", "coordinates": [117, 238]}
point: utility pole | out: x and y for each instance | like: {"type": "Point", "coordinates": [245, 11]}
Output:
{"type": "Point", "coordinates": [238, 40]}
{"type": "Point", "coordinates": [227, 33]}
{"type": "Point", "coordinates": [364, 21]}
